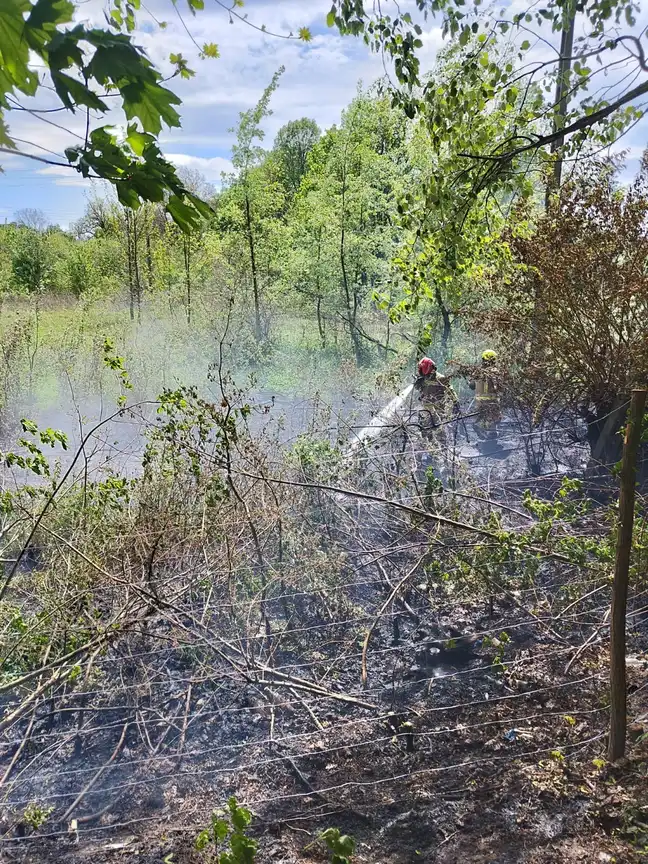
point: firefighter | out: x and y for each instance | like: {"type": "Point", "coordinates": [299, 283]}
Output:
{"type": "Point", "coordinates": [485, 382]}
{"type": "Point", "coordinates": [437, 398]}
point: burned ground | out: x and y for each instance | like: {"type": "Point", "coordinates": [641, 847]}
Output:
{"type": "Point", "coordinates": [429, 675]}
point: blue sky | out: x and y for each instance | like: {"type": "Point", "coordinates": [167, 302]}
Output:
{"type": "Point", "coordinates": [320, 79]}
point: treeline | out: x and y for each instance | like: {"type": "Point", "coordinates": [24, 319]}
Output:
{"type": "Point", "coordinates": [308, 226]}
{"type": "Point", "coordinates": [312, 226]}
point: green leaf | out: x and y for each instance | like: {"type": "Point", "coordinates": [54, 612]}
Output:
{"type": "Point", "coordinates": [220, 829]}
{"type": "Point", "coordinates": [305, 34]}
{"type": "Point", "coordinates": [202, 841]}
{"type": "Point", "coordinates": [117, 60]}
{"type": "Point", "coordinates": [44, 19]}
{"type": "Point", "coordinates": [152, 104]}
{"type": "Point", "coordinates": [63, 50]}
{"type": "Point", "coordinates": [525, 45]}
{"type": "Point", "coordinates": [29, 426]}
{"type": "Point", "coordinates": [511, 95]}
{"type": "Point", "coordinates": [210, 49]}
{"type": "Point", "coordinates": [137, 140]}
{"type": "Point", "coordinates": [14, 51]}
{"type": "Point", "coordinates": [184, 216]}
{"type": "Point", "coordinates": [73, 92]}
{"type": "Point", "coordinates": [241, 817]}
{"type": "Point", "coordinates": [5, 140]}
{"type": "Point", "coordinates": [330, 18]}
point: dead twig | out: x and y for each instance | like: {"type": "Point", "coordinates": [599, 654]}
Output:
{"type": "Point", "coordinates": [393, 594]}
{"type": "Point", "coordinates": [183, 731]}
{"type": "Point", "coordinates": [98, 774]}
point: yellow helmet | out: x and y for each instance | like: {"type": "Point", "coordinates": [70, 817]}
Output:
{"type": "Point", "coordinates": [489, 356]}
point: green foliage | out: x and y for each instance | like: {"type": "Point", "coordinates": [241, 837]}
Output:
{"type": "Point", "coordinates": [117, 364]}
{"type": "Point", "coordinates": [566, 504]}
{"type": "Point", "coordinates": [32, 457]}
{"type": "Point", "coordinates": [488, 115]}
{"type": "Point", "coordinates": [599, 35]}
{"type": "Point", "coordinates": [342, 225]}
{"type": "Point", "coordinates": [31, 265]}
{"type": "Point", "coordinates": [36, 815]}
{"type": "Point", "coordinates": [228, 828]}
{"type": "Point", "coordinates": [250, 208]}
{"type": "Point", "coordinates": [86, 64]}
{"type": "Point", "coordinates": [292, 146]}
{"type": "Point", "coordinates": [453, 238]}
{"type": "Point", "coordinates": [193, 437]}
{"type": "Point", "coordinates": [340, 846]}
{"type": "Point", "coordinates": [317, 459]}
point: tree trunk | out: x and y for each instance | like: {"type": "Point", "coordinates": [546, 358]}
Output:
{"type": "Point", "coordinates": [447, 324]}
{"type": "Point", "coordinates": [616, 742]}
{"type": "Point", "coordinates": [149, 259]}
{"type": "Point", "coordinates": [253, 265]}
{"type": "Point", "coordinates": [129, 256]}
{"type": "Point", "coordinates": [187, 263]}
{"type": "Point", "coordinates": [351, 304]}
{"type": "Point", "coordinates": [562, 93]}
{"type": "Point", "coordinates": [320, 323]}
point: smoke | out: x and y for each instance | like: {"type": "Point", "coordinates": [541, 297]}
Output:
{"type": "Point", "coordinates": [57, 376]}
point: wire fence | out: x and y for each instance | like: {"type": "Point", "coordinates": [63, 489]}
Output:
{"type": "Point", "coordinates": [275, 606]}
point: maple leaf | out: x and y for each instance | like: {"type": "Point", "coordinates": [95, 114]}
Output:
{"type": "Point", "coordinates": [44, 19]}
{"type": "Point", "coordinates": [14, 51]}
{"type": "Point", "coordinates": [152, 104]}
{"type": "Point", "coordinates": [210, 49]}
{"type": "Point", "coordinates": [5, 140]}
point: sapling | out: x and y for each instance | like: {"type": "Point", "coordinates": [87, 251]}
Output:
{"type": "Point", "coordinates": [340, 846]}
{"type": "Point", "coordinates": [232, 830]}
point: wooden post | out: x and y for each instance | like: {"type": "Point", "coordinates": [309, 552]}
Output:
{"type": "Point", "coordinates": [616, 742]}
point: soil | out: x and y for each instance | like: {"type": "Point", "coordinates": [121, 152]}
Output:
{"type": "Point", "coordinates": [519, 775]}
{"type": "Point", "coordinates": [490, 751]}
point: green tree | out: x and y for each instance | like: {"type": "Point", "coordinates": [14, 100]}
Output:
{"type": "Point", "coordinates": [31, 265]}
{"type": "Point", "coordinates": [252, 202]}
{"type": "Point", "coordinates": [452, 238]}
{"type": "Point", "coordinates": [606, 37]}
{"type": "Point", "coordinates": [310, 262]}
{"type": "Point", "coordinates": [348, 206]}
{"type": "Point", "coordinates": [292, 145]}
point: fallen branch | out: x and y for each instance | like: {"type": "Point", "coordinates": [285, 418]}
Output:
{"type": "Point", "coordinates": [593, 637]}
{"type": "Point", "coordinates": [306, 784]}
{"type": "Point", "coordinates": [21, 747]}
{"type": "Point", "coordinates": [98, 774]}
{"type": "Point", "coordinates": [10, 719]}
{"type": "Point", "coordinates": [183, 732]}
{"type": "Point", "coordinates": [381, 611]}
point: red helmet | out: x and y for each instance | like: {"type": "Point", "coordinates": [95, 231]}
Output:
{"type": "Point", "coordinates": [426, 366]}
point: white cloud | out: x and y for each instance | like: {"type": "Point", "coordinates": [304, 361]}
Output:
{"type": "Point", "coordinates": [210, 166]}
{"type": "Point", "coordinates": [319, 82]}
{"type": "Point", "coordinates": [65, 176]}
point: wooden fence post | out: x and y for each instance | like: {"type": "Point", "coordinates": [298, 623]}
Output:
{"type": "Point", "coordinates": [616, 741]}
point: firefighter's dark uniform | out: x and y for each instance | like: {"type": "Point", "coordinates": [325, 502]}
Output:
{"type": "Point", "coordinates": [487, 398]}
{"type": "Point", "coordinates": [438, 402]}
